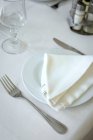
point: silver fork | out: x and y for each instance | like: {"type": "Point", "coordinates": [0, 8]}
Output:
{"type": "Point", "coordinates": [15, 92]}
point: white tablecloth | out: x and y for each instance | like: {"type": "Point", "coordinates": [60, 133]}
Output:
{"type": "Point", "coordinates": [18, 119]}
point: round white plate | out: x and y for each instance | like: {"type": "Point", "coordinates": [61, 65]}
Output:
{"type": "Point", "coordinates": [31, 76]}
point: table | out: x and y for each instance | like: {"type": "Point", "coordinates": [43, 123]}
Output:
{"type": "Point", "coordinates": [18, 119]}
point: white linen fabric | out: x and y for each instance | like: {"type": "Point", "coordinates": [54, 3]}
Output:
{"type": "Point", "coordinates": [65, 78]}
{"type": "Point", "coordinates": [47, 2]}
{"type": "Point", "coordinates": [18, 120]}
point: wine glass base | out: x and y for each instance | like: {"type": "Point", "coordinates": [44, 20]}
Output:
{"type": "Point", "coordinates": [14, 47]}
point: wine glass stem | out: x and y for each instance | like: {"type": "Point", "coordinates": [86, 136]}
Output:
{"type": "Point", "coordinates": [24, 8]}
{"type": "Point", "coordinates": [14, 35]}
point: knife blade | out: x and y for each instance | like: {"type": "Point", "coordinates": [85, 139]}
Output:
{"type": "Point", "coordinates": [67, 47]}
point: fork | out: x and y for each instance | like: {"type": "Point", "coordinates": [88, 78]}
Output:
{"type": "Point", "coordinates": [14, 91]}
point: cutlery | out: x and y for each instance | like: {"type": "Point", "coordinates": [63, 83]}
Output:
{"type": "Point", "coordinates": [67, 47]}
{"type": "Point", "coordinates": [14, 91]}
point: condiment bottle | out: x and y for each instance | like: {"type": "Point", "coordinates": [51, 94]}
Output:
{"type": "Point", "coordinates": [79, 15]}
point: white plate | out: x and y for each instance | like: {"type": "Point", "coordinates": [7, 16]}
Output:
{"type": "Point", "coordinates": [31, 76]}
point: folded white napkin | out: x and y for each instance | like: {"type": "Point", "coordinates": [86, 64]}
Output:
{"type": "Point", "coordinates": [65, 78]}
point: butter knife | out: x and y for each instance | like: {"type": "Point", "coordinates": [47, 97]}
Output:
{"type": "Point", "coordinates": [66, 46]}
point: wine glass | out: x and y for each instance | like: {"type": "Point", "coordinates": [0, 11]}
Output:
{"type": "Point", "coordinates": [13, 16]}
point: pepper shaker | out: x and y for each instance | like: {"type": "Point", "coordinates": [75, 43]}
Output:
{"type": "Point", "coordinates": [88, 28]}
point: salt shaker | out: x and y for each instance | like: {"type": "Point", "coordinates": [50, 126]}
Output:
{"type": "Point", "coordinates": [79, 15]}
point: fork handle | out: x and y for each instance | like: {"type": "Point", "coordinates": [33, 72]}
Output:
{"type": "Point", "coordinates": [55, 124]}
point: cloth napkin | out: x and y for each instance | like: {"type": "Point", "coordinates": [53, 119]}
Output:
{"type": "Point", "coordinates": [65, 78]}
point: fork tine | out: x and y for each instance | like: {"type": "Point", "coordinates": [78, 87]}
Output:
{"type": "Point", "coordinates": [10, 87]}
{"type": "Point", "coordinates": [5, 85]}
{"type": "Point", "coordinates": [9, 82]}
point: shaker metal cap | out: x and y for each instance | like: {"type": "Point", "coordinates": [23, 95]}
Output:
{"type": "Point", "coordinates": [86, 2]}
{"type": "Point", "coordinates": [80, 6]}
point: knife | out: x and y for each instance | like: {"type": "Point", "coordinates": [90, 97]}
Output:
{"type": "Point", "coordinates": [67, 47]}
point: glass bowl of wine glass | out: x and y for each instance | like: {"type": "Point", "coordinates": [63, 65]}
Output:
{"type": "Point", "coordinates": [13, 16]}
